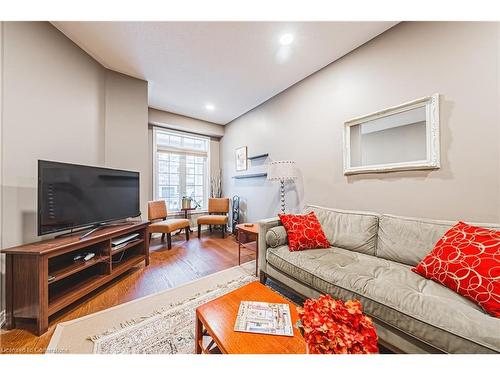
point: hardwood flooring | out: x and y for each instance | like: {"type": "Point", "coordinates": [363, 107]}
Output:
{"type": "Point", "coordinates": [186, 261]}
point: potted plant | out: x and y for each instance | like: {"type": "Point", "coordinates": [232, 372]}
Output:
{"type": "Point", "coordinates": [331, 326]}
{"type": "Point", "coordinates": [186, 202]}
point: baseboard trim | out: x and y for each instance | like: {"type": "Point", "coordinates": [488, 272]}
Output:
{"type": "Point", "coordinates": [2, 318]}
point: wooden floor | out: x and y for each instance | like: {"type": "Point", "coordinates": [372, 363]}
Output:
{"type": "Point", "coordinates": [186, 261]}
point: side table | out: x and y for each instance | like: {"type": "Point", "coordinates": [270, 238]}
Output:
{"type": "Point", "coordinates": [185, 211]}
{"type": "Point", "coordinates": [252, 231]}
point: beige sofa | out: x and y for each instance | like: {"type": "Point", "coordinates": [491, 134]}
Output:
{"type": "Point", "coordinates": [370, 260]}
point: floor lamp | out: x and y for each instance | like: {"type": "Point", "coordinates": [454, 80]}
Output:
{"type": "Point", "coordinates": [282, 170]}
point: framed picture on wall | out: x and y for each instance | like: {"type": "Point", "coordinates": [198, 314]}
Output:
{"type": "Point", "coordinates": [241, 159]}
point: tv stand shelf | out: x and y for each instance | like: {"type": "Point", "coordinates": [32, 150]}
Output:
{"type": "Point", "coordinates": [30, 294]}
{"type": "Point", "coordinates": [127, 246]}
{"type": "Point", "coordinates": [76, 267]}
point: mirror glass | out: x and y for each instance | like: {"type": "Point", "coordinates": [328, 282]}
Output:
{"type": "Point", "coordinates": [392, 139]}
{"type": "Point", "coordinates": [404, 137]}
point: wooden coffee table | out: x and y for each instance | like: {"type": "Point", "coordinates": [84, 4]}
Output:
{"type": "Point", "coordinates": [216, 319]}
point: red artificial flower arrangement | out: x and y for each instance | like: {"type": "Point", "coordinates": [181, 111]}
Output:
{"type": "Point", "coordinates": [331, 326]}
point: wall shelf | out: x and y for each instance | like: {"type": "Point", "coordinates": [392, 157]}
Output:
{"type": "Point", "coordinates": [253, 175]}
{"type": "Point", "coordinates": [258, 156]}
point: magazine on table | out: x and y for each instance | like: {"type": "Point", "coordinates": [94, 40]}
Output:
{"type": "Point", "coordinates": [263, 317]}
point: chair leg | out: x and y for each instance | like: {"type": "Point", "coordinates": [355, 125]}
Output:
{"type": "Point", "coordinates": [187, 233]}
{"type": "Point", "coordinates": [223, 230]}
{"type": "Point", "coordinates": [169, 241]}
{"type": "Point", "coordinates": [199, 231]}
{"type": "Point", "coordinates": [162, 237]}
{"type": "Point", "coordinates": [210, 228]}
{"type": "Point", "coordinates": [150, 234]}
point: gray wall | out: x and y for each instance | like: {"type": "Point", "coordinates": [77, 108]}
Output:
{"type": "Point", "coordinates": [60, 104]}
{"type": "Point", "coordinates": [53, 109]}
{"type": "Point", "coordinates": [184, 123]}
{"type": "Point", "coordinates": [126, 136]}
{"type": "Point", "coordinates": [2, 258]}
{"type": "Point", "coordinates": [304, 123]}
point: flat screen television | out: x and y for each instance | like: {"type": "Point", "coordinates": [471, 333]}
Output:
{"type": "Point", "coordinates": [74, 196]}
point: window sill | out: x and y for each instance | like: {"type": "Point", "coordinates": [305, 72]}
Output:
{"type": "Point", "coordinates": [191, 212]}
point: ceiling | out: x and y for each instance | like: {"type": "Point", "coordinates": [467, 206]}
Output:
{"type": "Point", "coordinates": [232, 66]}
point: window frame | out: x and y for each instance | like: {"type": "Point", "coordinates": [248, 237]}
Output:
{"type": "Point", "coordinates": [184, 152]}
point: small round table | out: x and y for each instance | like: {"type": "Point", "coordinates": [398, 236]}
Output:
{"type": "Point", "coordinates": [250, 231]}
{"type": "Point", "coordinates": [185, 210]}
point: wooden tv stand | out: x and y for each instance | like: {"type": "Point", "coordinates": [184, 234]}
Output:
{"type": "Point", "coordinates": [30, 294]}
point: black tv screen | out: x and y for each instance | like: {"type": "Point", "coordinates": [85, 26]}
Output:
{"type": "Point", "coordinates": [72, 196]}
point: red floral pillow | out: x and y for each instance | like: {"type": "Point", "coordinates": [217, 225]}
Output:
{"type": "Point", "coordinates": [304, 232]}
{"type": "Point", "coordinates": [467, 260]}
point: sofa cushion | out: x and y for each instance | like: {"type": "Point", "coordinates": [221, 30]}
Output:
{"type": "Point", "coordinates": [276, 236]}
{"type": "Point", "coordinates": [352, 230]}
{"type": "Point", "coordinates": [408, 240]}
{"type": "Point", "coordinates": [212, 220]}
{"type": "Point", "coordinates": [168, 225]}
{"type": "Point", "coordinates": [392, 293]}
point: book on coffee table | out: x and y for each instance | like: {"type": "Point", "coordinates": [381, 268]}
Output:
{"type": "Point", "coordinates": [265, 318]}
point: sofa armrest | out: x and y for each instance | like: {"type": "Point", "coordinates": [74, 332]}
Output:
{"type": "Point", "coordinates": [264, 226]}
{"type": "Point", "coordinates": [276, 236]}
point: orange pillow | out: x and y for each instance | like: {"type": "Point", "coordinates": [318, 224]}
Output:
{"type": "Point", "coordinates": [304, 232]}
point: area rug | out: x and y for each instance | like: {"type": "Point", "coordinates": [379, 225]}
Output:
{"type": "Point", "coordinates": [162, 323]}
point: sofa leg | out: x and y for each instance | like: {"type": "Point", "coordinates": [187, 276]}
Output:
{"type": "Point", "coordinates": [262, 277]}
{"type": "Point", "coordinates": [169, 241]}
{"type": "Point", "coordinates": [210, 228]}
{"type": "Point", "coordinates": [223, 231]}
{"type": "Point", "coordinates": [187, 233]}
{"type": "Point", "coordinates": [199, 231]}
{"type": "Point", "coordinates": [162, 237]}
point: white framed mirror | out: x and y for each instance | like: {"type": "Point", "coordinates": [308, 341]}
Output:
{"type": "Point", "coordinates": [404, 137]}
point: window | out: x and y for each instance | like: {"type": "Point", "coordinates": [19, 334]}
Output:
{"type": "Point", "coordinates": [180, 168]}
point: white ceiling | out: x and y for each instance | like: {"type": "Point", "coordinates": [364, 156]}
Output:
{"type": "Point", "coordinates": [233, 65]}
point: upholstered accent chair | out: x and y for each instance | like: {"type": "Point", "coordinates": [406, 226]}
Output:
{"type": "Point", "coordinates": [157, 214]}
{"type": "Point", "coordinates": [217, 215]}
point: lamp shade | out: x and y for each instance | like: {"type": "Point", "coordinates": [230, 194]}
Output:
{"type": "Point", "coordinates": [281, 170]}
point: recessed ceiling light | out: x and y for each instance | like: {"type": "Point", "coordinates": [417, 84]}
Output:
{"type": "Point", "coordinates": [209, 107]}
{"type": "Point", "coordinates": [286, 39]}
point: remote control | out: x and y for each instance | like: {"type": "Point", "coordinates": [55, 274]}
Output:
{"type": "Point", "coordinates": [79, 256]}
{"type": "Point", "coordinates": [89, 256]}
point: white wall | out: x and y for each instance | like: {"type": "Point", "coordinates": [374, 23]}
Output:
{"type": "Point", "coordinates": [304, 123]}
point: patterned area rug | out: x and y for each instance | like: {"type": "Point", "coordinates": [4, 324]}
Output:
{"type": "Point", "coordinates": [169, 330]}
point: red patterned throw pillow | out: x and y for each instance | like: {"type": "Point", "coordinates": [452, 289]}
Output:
{"type": "Point", "coordinates": [467, 260]}
{"type": "Point", "coordinates": [304, 232]}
